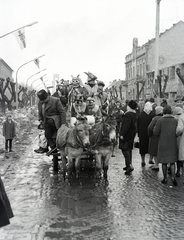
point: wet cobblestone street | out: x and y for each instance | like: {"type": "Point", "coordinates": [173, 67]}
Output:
{"type": "Point", "coordinates": [130, 207]}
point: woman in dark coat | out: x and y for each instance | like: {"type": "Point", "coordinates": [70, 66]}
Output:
{"type": "Point", "coordinates": [127, 134]}
{"type": "Point", "coordinates": [143, 121]}
{"type": "Point", "coordinates": [167, 144]}
{"type": "Point", "coordinates": [5, 208]}
{"type": "Point", "coordinates": [153, 140]}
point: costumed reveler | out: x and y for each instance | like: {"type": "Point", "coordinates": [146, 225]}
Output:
{"type": "Point", "coordinates": [76, 89]}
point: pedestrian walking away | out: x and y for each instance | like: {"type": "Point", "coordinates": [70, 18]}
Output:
{"type": "Point", "coordinates": [167, 144]}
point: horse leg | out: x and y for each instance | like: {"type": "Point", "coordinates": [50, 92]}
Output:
{"type": "Point", "coordinates": [98, 167]}
{"type": "Point", "coordinates": [106, 167]}
{"type": "Point", "coordinates": [64, 166]}
{"type": "Point", "coordinates": [77, 169]}
{"type": "Point", "coordinates": [113, 150]}
{"type": "Point", "coordinates": [70, 169]}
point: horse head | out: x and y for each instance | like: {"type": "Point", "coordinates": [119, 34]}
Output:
{"type": "Point", "coordinates": [82, 134]}
{"type": "Point", "coordinates": [109, 130]}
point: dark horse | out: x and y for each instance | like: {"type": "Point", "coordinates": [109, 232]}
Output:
{"type": "Point", "coordinates": [102, 138]}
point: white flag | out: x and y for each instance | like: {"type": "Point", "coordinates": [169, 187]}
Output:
{"type": "Point", "coordinates": [21, 39]}
{"type": "Point", "coordinates": [37, 62]}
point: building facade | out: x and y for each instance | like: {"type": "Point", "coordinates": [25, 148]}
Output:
{"type": "Point", "coordinates": [5, 70]}
{"type": "Point", "coordinates": [140, 66]}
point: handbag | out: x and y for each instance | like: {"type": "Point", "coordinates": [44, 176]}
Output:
{"type": "Point", "coordinates": [123, 145]}
{"type": "Point", "coordinates": [40, 126]}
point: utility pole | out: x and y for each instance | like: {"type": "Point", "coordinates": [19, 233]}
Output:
{"type": "Point", "coordinates": [157, 45]}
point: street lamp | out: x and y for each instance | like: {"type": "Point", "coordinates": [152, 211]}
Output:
{"type": "Point", "coordinates": [28, 25]}
{"type": "Point", "coordinates": [33, 76]}
{"type": "Point", "coordinates": [17, 79]}
{"type": "Point", "coordinates": [38, 79]}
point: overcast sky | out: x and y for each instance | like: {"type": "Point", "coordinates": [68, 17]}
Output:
{"type": "Point", "coordinates": [80, 35]}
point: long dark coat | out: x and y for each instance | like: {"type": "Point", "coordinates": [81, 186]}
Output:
{"type": "Point", "coordinates": [153, 139]}
{"type": "Point", "coordinates": [167, 144]}
{"type": "Point", "coordinates": [9, 129]}
{"type": "Point", "coordinates": [53, 109]}
{"type": "Point", "coordinates": [128, 131]}
{"type": "Point", "coordinates": [5, 207]}
{"type": "Point", "coordinates": [143, 122]}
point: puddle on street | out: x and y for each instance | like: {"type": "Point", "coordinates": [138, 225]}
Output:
{"type": "Point", "coordinates": [77, 209]}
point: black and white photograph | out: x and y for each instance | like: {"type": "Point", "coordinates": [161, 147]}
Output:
{"type": "Point", "coordinates": [91, 119]}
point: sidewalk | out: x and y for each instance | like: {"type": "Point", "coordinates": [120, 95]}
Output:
{"type": "Point", "coordinates": [25, 126]}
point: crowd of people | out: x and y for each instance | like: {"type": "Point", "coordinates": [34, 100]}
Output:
{"type": "Point", "coordinates": [160, 132]}
{"type": "Point", "coordinates": [158, 127]}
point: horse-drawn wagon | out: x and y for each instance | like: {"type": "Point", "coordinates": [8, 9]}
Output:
{"type": "Point", "coordinates": [84, 144]}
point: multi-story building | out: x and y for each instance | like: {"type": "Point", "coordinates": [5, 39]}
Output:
{"type": "Point", "coordinates": [140, 66]}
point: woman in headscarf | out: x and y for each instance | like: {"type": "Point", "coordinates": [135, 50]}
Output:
{"type": "Point", "coordinates": [167, 144]}
{"type": "Point", "coordinates": [153, 140]}
{"type": "Point", "coordinates": [143, 121]}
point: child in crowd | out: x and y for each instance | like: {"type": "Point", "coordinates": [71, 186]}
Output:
{"type": "Point", "coordinates": [9, 132]}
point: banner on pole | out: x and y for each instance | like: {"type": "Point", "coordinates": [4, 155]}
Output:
{"type": "Point", "coordinates": [36, 61]}
{"type": "Point", "coordinates": [21, 38]}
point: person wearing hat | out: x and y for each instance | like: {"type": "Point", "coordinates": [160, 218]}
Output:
{"type": "Point", "coordinates": [61, 92]}
{"type": "Point", "coordinates": [52, 114]}
{"type": "Point", "coordinates": [91, 85]}
{"type": "Point", "coordinates": [164, 102]}
{"type": "Point", "coordinates": [127, 134]}
{"type": "Point", "coordinates": [101, 98]}
{"type": "Point", "coordinates": [9, 132]}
